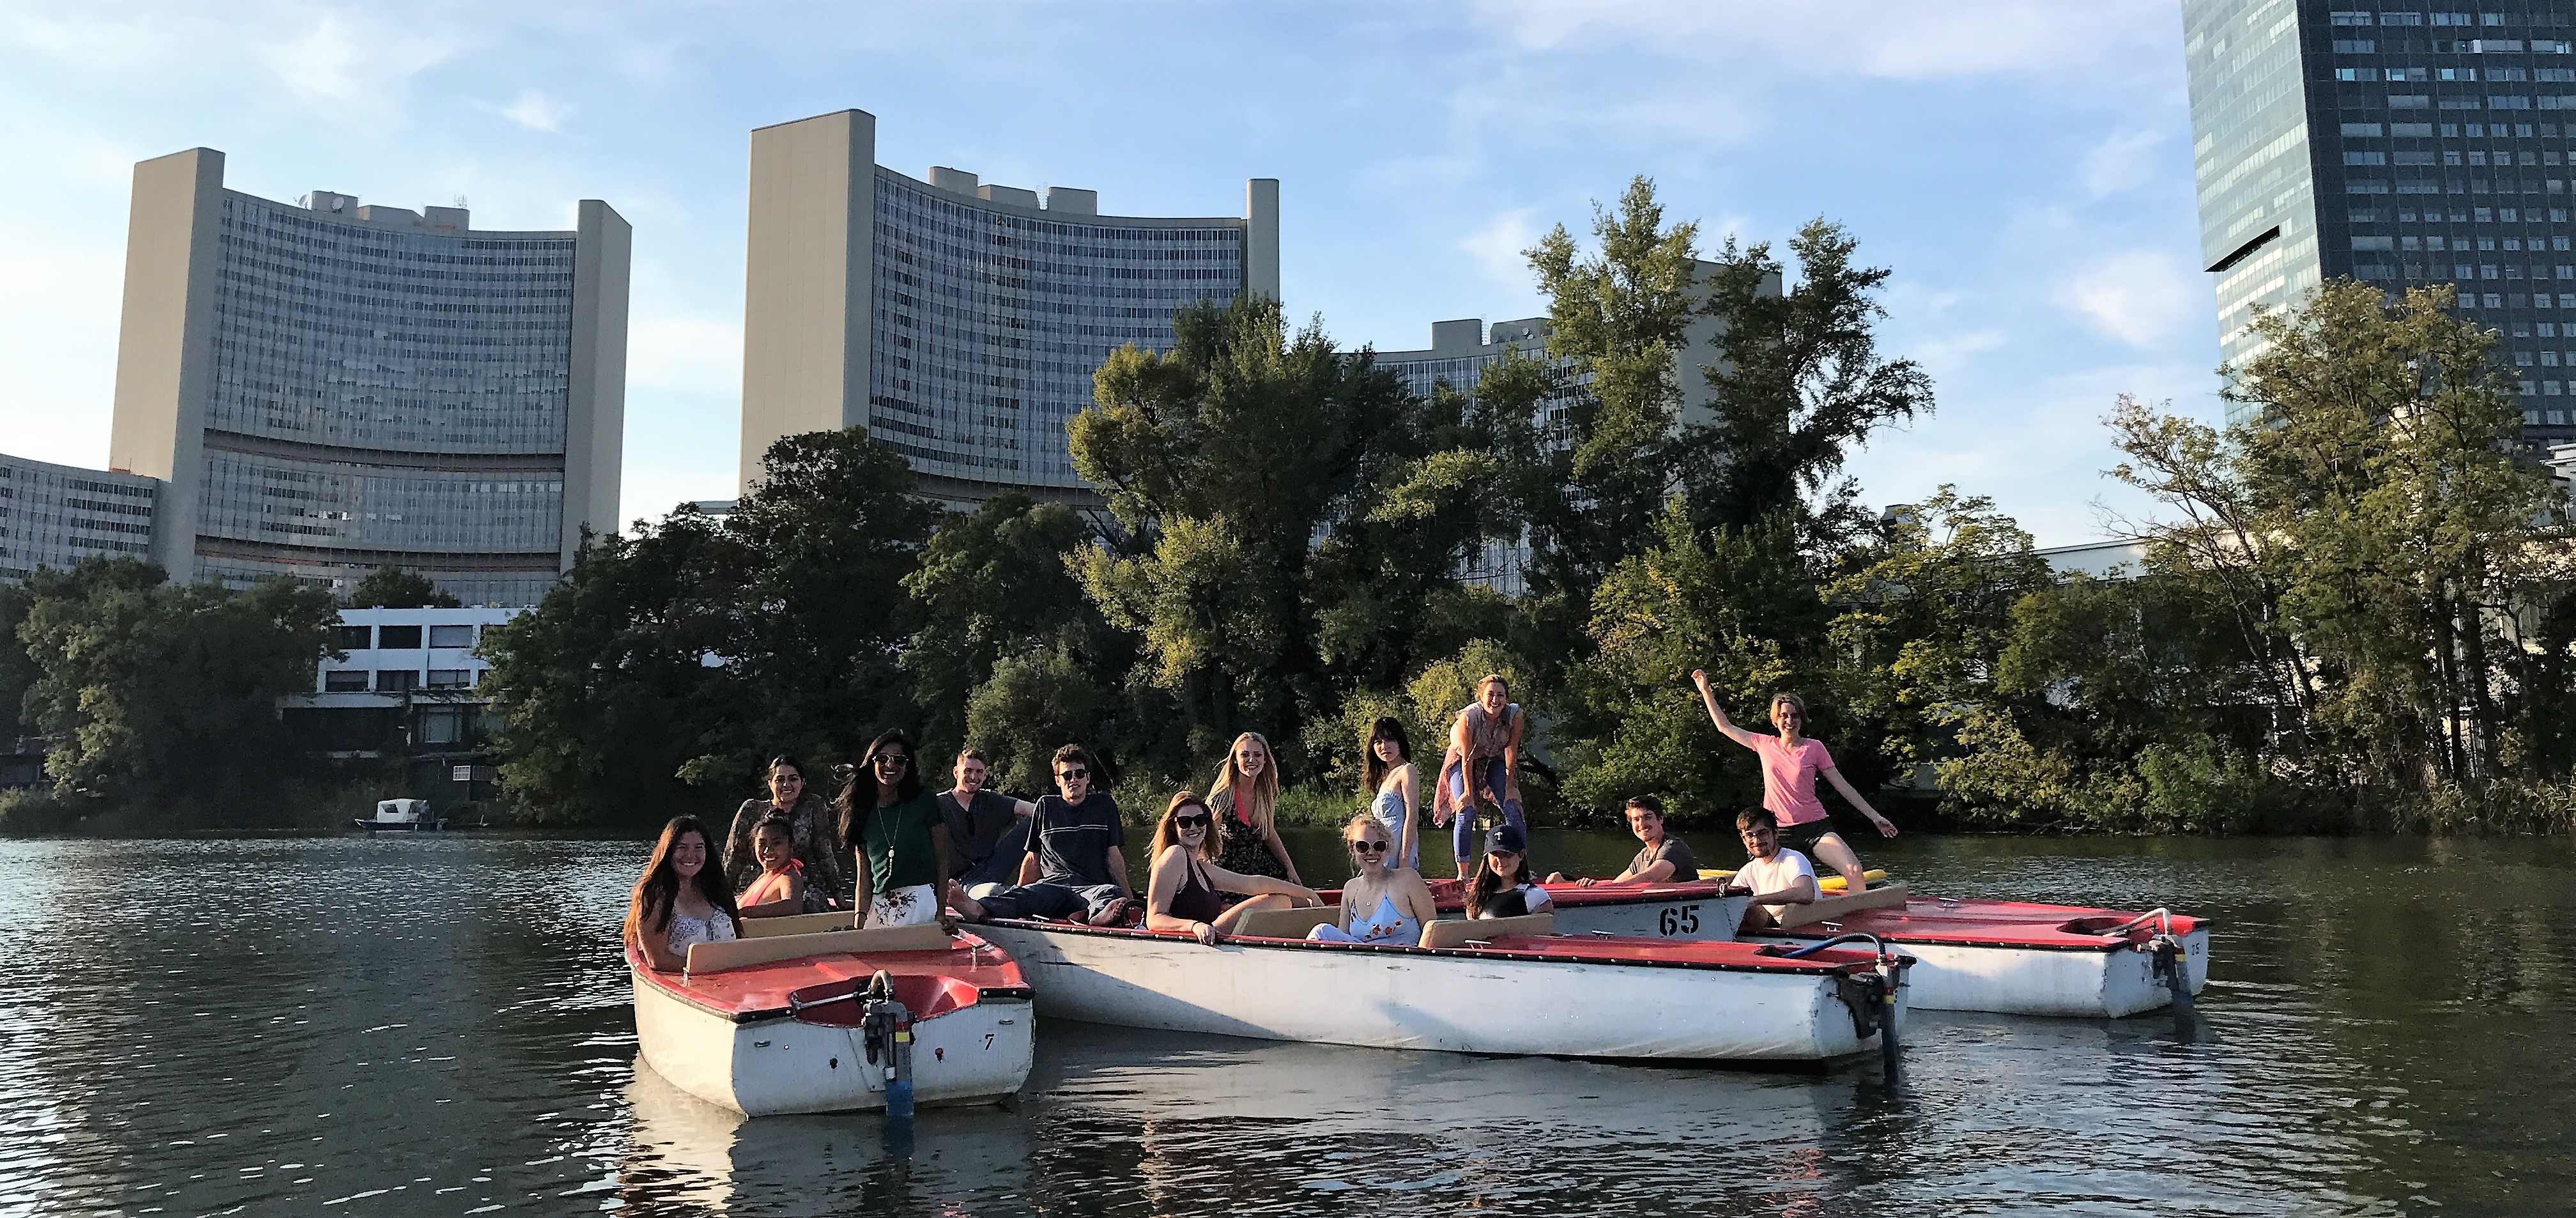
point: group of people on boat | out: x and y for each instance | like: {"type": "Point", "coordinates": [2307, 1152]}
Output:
{"type": "Point", "coordinates": [976, 853]}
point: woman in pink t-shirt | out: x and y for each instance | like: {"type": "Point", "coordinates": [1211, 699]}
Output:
{"type": "Point", "coordinates": [1790, 764]}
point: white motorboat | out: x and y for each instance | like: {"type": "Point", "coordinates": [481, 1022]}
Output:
{"type": "Point", "coordinates": [1504, 986]}
{"type": "Point", "coordinates": [411, 815]}
{"type": "Point", "coordinates": [2021, 959]}
{"type": "Point", "coordinates": [807, 1020]}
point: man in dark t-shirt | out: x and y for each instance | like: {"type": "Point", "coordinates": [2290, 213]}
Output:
{"type": "Point", "coordinates": [987, 830]}
{"type": "Point", "coordinates": [1073, 863]}
{"type": "Point", "coordinates": [1664, 859]}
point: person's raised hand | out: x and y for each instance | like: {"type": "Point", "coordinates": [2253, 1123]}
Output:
{"type": "Point", "coordinates": [1699, 677]}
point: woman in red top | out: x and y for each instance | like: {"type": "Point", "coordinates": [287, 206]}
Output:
{"type": "Point", "coordinates": [1790, 765]}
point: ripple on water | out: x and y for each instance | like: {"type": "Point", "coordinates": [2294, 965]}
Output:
{"type": "Point", "coordinates": [440, 1026]}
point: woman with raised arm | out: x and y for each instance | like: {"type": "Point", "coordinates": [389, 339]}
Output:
{"type": "Point", "coordinates": [1182, 895]}
{"type": "Point", "coordinates": [1245, 797]}
{"type": "Point", "coordinates": [1396, 792]}
{"type": "Point", "coordinates": [1791, 763]}
{"type": "Point", "coordinates": [809, 832]}
{"type": "Point", "coordinates": [681, 900]}
{"type": "Point", "coordinates": [1482, 767]}
{"type": "Point", "coordinates": [1380, 904]}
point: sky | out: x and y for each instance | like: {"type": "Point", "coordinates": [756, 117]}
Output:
{"type": "Point", "coordinates": [2022, 167]}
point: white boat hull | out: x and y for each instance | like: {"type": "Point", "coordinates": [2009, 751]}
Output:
{"type": "Point", "coordinates": [1457, 1002]}
{"type": "Point", "coordinates": [2042, 981]}
{"type": "Point", "coordinates": [976, 1054]}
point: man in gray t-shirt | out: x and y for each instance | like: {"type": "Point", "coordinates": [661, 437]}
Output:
{"type": "Point", "coordinates": [987, 830]}
{"type": "Point", "coordinates": [1664, 859]}
{"type": "Point", "coordinates": [1073, 866]}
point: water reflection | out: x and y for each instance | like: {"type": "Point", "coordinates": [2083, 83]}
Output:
{"type": "Point", "coordinates": [440, 1026]}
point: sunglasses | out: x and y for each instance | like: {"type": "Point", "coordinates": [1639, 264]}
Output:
{"type": "Point", "coordinates": [897, 760]}
{"type": "Point", "coordinates": [1073, 773]}
{"type": "Point", "coordinates": [1368, 847]}
{"type": "Point", "coordinates": [1200, 821]}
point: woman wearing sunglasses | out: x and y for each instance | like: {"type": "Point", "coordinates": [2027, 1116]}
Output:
{"type": "Point", "coordinates": [1182, 895]}
{"type": "Point", "coordinates": [902, 841]}
{"type": "Point", "coordinates": [1380, 904]}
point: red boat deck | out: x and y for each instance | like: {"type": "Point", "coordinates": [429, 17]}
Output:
{"type": "Point", "coordinates": [1995, 924]}
{"type": "Point", "coordinates": [1560, 948]}
{"type": "Point", "coordinates": [926, 983]}
{"type": "Point", "coordinates": [1451, 894]}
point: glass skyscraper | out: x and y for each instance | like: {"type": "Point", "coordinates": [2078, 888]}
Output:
{"type": "Point", "coordinates": [2403, 147]}
{"type": "Point", "coordinates": [328, 387]}
{"type": "Point", "coordinates": [960, 321]}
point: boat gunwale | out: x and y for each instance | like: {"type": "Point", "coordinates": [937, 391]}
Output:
{"type": "Point", "coordinates": [660, 981]}
{"type": "Point", "coordinates": [1771, 965]}
{"type": "Point", "coordinates": [1812, 932]}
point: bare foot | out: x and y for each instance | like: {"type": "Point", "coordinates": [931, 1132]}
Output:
{"type": "Point", "coordinates": [1116, 913]}
{"type": "Point", "coordinates": [967, 907]}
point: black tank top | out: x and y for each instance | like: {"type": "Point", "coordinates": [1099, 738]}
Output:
{"type": "Point", "coordinates": [1195, 900]}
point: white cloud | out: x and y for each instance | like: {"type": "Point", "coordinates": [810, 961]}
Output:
{"type": "Point", "coordinates": [536, 111]}
{"type": "Point", "coordinates": [1497, 247]}
{"type": "Point", "coordinates": [2137, 297]}
{"type": "Point", "coordinates": [2125, 161]}
{"type": "Point", "coordinates": [1903, 39]}
{"type": "Point", "coordinates": [334, 62]}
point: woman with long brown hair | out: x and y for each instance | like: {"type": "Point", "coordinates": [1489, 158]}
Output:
{"type": "Point", "coordinates": [681, 900]}
{"type": "Point", "coordinates": [1182, 895]}
{"type": "Point", "coordinates": [1245, 798]}
{"type": "Point", "coordinates": [1395, 793]}
{"type": "Point", "coordinates": [809, 830]}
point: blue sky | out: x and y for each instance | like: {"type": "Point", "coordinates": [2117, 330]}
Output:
{"type": "Point", "coordinates": [2023, 166]}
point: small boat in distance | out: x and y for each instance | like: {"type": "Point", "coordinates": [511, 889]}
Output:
{"type": "Point", "coordinates": [1508, 986]}
{"type": "Point", "coordinates": [804, 1014]}
{"type": "Point", "coordinates": [411, 815]}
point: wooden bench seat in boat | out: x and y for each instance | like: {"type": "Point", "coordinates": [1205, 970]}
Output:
{"type": "Point", "coordinates": [1285, 923]}
{"type": "Point", "coordinates": [1448, 932]}
{"type": "Point", "coordinates": [799, 924]}
{"type": "Point", "coordinates": [1826, 909]}
{"type": "Point", "coordinates": [741, 953]}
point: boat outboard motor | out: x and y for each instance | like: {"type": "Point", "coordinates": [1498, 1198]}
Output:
{"type": "Point", "coordinates": [1870, 996]}
{"type": "Point", "coordinates": [2173, 971]}
{"type": "Point", "coordinates": [887, 1029]}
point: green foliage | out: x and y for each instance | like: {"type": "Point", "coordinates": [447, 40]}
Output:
{"type": "Point", "coordinates": [1033, 703]}
{"type": "Point", "coordinates": [391, 587]}
{"type": "Point", "coordinates": [161, 698]}
{"type": "Point", "coordinates": [993, 583]}
{"type": "Point", "coordinates": [668, 666]}
{"type": "Point", "coordinates": [1294, 520]}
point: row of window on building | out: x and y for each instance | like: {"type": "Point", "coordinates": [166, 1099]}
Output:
{"type": "Point", "coordinates": [397, 680]}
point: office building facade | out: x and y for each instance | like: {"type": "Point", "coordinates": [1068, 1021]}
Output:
{"type": "Point", "coordinates": [325, 387]}
{"type": "Point", "coordinates": [959, 321]}
{"type": "Point", "coordinates": [2402, 147]}
{"type": "Point", "coordinates": [56, 515]}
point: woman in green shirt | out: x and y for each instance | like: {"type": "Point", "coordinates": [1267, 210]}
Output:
{"type": "Point", "coordinates": [902, 840]}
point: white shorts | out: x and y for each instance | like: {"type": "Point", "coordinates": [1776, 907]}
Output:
{"type": "Point", "coordinates": [917, 905]}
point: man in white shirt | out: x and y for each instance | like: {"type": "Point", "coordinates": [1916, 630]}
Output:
{"type": "Point", "coordinates": [1777, 878]}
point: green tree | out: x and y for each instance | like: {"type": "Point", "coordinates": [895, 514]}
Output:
{"type": "Point", "coordinates": [1290, 525]}
{"type": "Point", "coordinates": [391, 587]}
{"type": "Point", "coordinates": [1798, 382]}
{"type": "Point", "coordinates": [164, 696]}
{"type": "Point", "coordinates": [992, 584]}
{"type": "Point", "coordinates": [676, 661]}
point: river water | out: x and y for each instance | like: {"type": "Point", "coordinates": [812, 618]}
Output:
{"type": "Point", "coordinates": [441, 1026]}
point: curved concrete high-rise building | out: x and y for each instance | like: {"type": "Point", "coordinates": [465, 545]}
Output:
{"type": "Point", "coordinates": [327, 388]}
{"type": "Point", "coordinates": [959, 321]}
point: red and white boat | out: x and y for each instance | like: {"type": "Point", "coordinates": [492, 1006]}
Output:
{"type": "Point", "coordinates": [1505, 986]}
{"type": "Point", "coordinates": [2021, 959]}
{"type": "Point", "coordinates": [775, 1022]}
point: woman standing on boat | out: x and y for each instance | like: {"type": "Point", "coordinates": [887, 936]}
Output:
{"type": "Point", "coordinates": [1790, 765]}
{"type": "Point", "coordinates": [1395, 790]}
{"type": "Point", "coordinates": [1182, 895]}
{"type": "Point", "coordinates": [1483, 766]}
{"type": "Point", "coordinates": [1380, 904]}
{"type": "Point", "coordinates": [902, 841]}
{"type": "Point", "coordinates": [809, 832]}
{"type": "Point", "coordinates": [1245, 798]}
{"type": "Point", "coordinates": [681, 900]}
